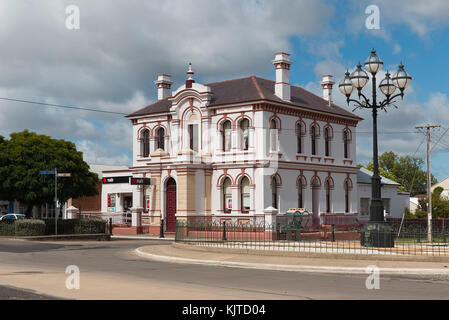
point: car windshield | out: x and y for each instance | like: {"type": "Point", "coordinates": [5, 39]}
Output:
{"type": "Point", "coordinates": [20, 216]}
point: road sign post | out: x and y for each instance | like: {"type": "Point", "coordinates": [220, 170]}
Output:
{"type": "Point", "coordinates": [55, 172]}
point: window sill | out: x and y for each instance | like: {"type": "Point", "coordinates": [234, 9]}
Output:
{"type": "Point", "coordinates": [233, 152]}
{"type": "Point", "coordinates": [299, 156]}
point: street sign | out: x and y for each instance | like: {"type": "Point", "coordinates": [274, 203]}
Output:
{"type": "Point", "coordinates": [64, 175]}
{"type": "Point", "coordinates": [46, 172]}
{"type": "Point", "coordinates": [140, 181]}
{"type": "Point", "coordinates": [111, 180]}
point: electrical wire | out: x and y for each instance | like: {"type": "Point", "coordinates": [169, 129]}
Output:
{"type": "Point", "coordinates": [62, 106]}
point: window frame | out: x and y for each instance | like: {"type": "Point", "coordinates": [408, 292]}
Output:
{"type": "Point", "coordinates": [245, 195]}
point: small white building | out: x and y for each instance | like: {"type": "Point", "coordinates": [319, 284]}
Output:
{"type": "Point", "coordinates": [443, 184]}
{"type": "Point", "coordinates": [394, 202]}
{"type": "Point", "coordinates": [241, 150]}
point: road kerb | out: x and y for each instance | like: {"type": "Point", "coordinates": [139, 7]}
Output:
{"type": "Point", "coordinates": [296, 268]}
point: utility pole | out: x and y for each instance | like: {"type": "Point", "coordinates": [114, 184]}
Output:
{"type": "Point", "coordinates": [429, 194]}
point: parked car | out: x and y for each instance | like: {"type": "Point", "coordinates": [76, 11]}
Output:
{"type": "Point", "coordinates": [12, 216]}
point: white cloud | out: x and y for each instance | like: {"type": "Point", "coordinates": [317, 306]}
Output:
{"type": "Point", "coordinates": [112, 60]}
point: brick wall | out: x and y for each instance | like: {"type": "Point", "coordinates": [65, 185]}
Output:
{"type": "Point", "coordinates": [92, 203]}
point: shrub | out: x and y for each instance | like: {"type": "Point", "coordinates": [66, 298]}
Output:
{"type": "Point", "coordinates": [29, 227]}
{"type": "Point", "coordinates": [90, 226]}
{"type": "Point", "coordinates": [7, 228]}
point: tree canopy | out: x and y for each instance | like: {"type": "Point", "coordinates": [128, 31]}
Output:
{"type": "Point", "coordinates": [406, 170]}
{"type": "Point", "coordinates": [26, 153]}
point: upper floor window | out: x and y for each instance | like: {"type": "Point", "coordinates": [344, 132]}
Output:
{"type": "Point", "coordinates": [298, 138]}
{"type": "Point", "coordinates": [244, 132]}
{"type": "Point", "coordinates": [227, 129]}
{"type": "Point", "coordinates": [314, 135]}
{"type": "Point", "coordinates": [145, 143]}
{"type": "Point", "coordinates": [273, 135]}
{"type": "Point", "coordinates": [193, 137]}
{"type": "Point", "coordinates": [327, 137]}
{"type": "Point", "coordinates": [160, 138]}
{"type": "Point", "coordinates": [346, 143]}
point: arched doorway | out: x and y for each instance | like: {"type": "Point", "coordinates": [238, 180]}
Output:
{"type": "Point", "coordinates": [170, 205]}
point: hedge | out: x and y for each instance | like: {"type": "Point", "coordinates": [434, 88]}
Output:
{"type": "Point", "coordinates": [76, 226]}
{"type": "Point", "coordinates": [7, 228]}
{"type": "Point", "coordinates": [29, 227]}
{"type": "Point", "coordinates": [33, 227]}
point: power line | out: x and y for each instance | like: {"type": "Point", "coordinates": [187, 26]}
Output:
{"type": "Point", "coordinates": [61, 106]}
{"type": "Point", "coordinates": [440, 140]}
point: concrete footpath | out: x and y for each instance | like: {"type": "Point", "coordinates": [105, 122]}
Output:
{"type": "Point", "coordinates": [294, 261]}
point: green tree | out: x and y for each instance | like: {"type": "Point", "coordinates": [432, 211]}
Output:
{"type": "Point", "coordinates": [440, 205]}
{"type": "Point", "coordinates": [26, 153]}
{"type": "Point", "coordinates": [407, 171]}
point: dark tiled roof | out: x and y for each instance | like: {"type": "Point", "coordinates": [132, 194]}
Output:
{"type": "Point", "coordinates": [253, 89]}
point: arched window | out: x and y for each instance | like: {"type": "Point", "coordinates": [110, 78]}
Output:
{"type": "Point", "coordinates": [300, 194]}
{"type": "Point", "coordinates": [145, 143]}
{"type": "Point", "coordinates": [328, 196]}
{"type": "Point", "coordinates": [347, 187]}
{"type": "Point", "coordinates": [298, 137]}
{"type": "Point", "coordinates": [244, 132]}
{"type": "Point", "coordinates": [327, 142]}
{"type": "Point", "coordinates": [273, 135]}
{"type": "Point", "coordinates": [160, 138]}
{"type": "Point", "coordinates": [245, 195]}
{"type": "Point", "coordinates": [227, 196]}
{"type": "Point", "coordinates": [226, 135]}
{"type": "Point", "coordinates": [314, 136]}
{"type": "Point", "coordinates": [346, 143]}
{"type": "Point", "coordinates": [274, 193]}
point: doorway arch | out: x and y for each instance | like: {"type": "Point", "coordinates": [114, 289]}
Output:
{"type": "Point", "coordinates": [170, 205]}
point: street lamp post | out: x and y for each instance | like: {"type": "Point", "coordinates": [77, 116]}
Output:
{"type": "Point", "coordinates": [377, 232]}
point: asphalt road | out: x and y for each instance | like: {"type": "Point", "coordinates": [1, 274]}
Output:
{"type": "Point", "coordinates": [36, 270]}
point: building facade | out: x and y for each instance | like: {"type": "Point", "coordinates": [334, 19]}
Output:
{"type": "Point", "coordinates": [242, 151]}
{"type": "Point", "coordinates": [394, 202]}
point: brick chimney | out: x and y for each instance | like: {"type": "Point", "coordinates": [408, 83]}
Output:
{"type": "Point", "coordinates": [282, 65]}
{"type": "Point", "coordinates": [163, 83]}
{"type": "Point", "coordinates": [327, 84]}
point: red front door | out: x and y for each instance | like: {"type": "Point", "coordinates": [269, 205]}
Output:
{"type": "Point", "coordinates": [171, 206]}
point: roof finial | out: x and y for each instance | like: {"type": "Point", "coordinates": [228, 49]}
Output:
{"type": "Point", "coordinates": [190, 73]}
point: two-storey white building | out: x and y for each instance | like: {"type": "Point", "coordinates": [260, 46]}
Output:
{"type": "Point", "coordinates": [243, 150]}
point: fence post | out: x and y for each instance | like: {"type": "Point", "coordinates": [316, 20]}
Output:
{"type": "Point", "coordinates": [278, 231]}
{"type": "Point", "coordinates": [110, 226]}
{"type": "Point", "coordinates": [444, 233]}
{"type": "Point", "coordinates": [224, 231]}
{"type": "Point", "coordinates": [333, 233]}
{"type": "Point", "coordinates": [162, 229]}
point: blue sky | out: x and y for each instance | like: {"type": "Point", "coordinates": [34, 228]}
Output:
{"type": "Point", "coordinates": [111, 62]}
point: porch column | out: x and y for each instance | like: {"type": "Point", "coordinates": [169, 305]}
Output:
{"type": "Point", "coordinates": [186, 194]}
{"type": "Point", "coordinates": [155, 198]}
{"type": "Point", "coordinates": [136, 210]}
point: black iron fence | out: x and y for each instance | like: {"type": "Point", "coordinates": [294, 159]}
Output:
{"type": "Point", "coordinates": [346, 239]}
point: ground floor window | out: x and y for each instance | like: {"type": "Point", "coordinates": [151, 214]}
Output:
{"type": "Point", "coordinates": [386, 205]}
{"type": "Point", "coordinates": [227, 196]}
{"type": "Point", "coordinates": [111, 202]}
{"type": "Point", "coordinates": [364, 206]}
{"type": "Point", "coordinates": [245, 195]}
